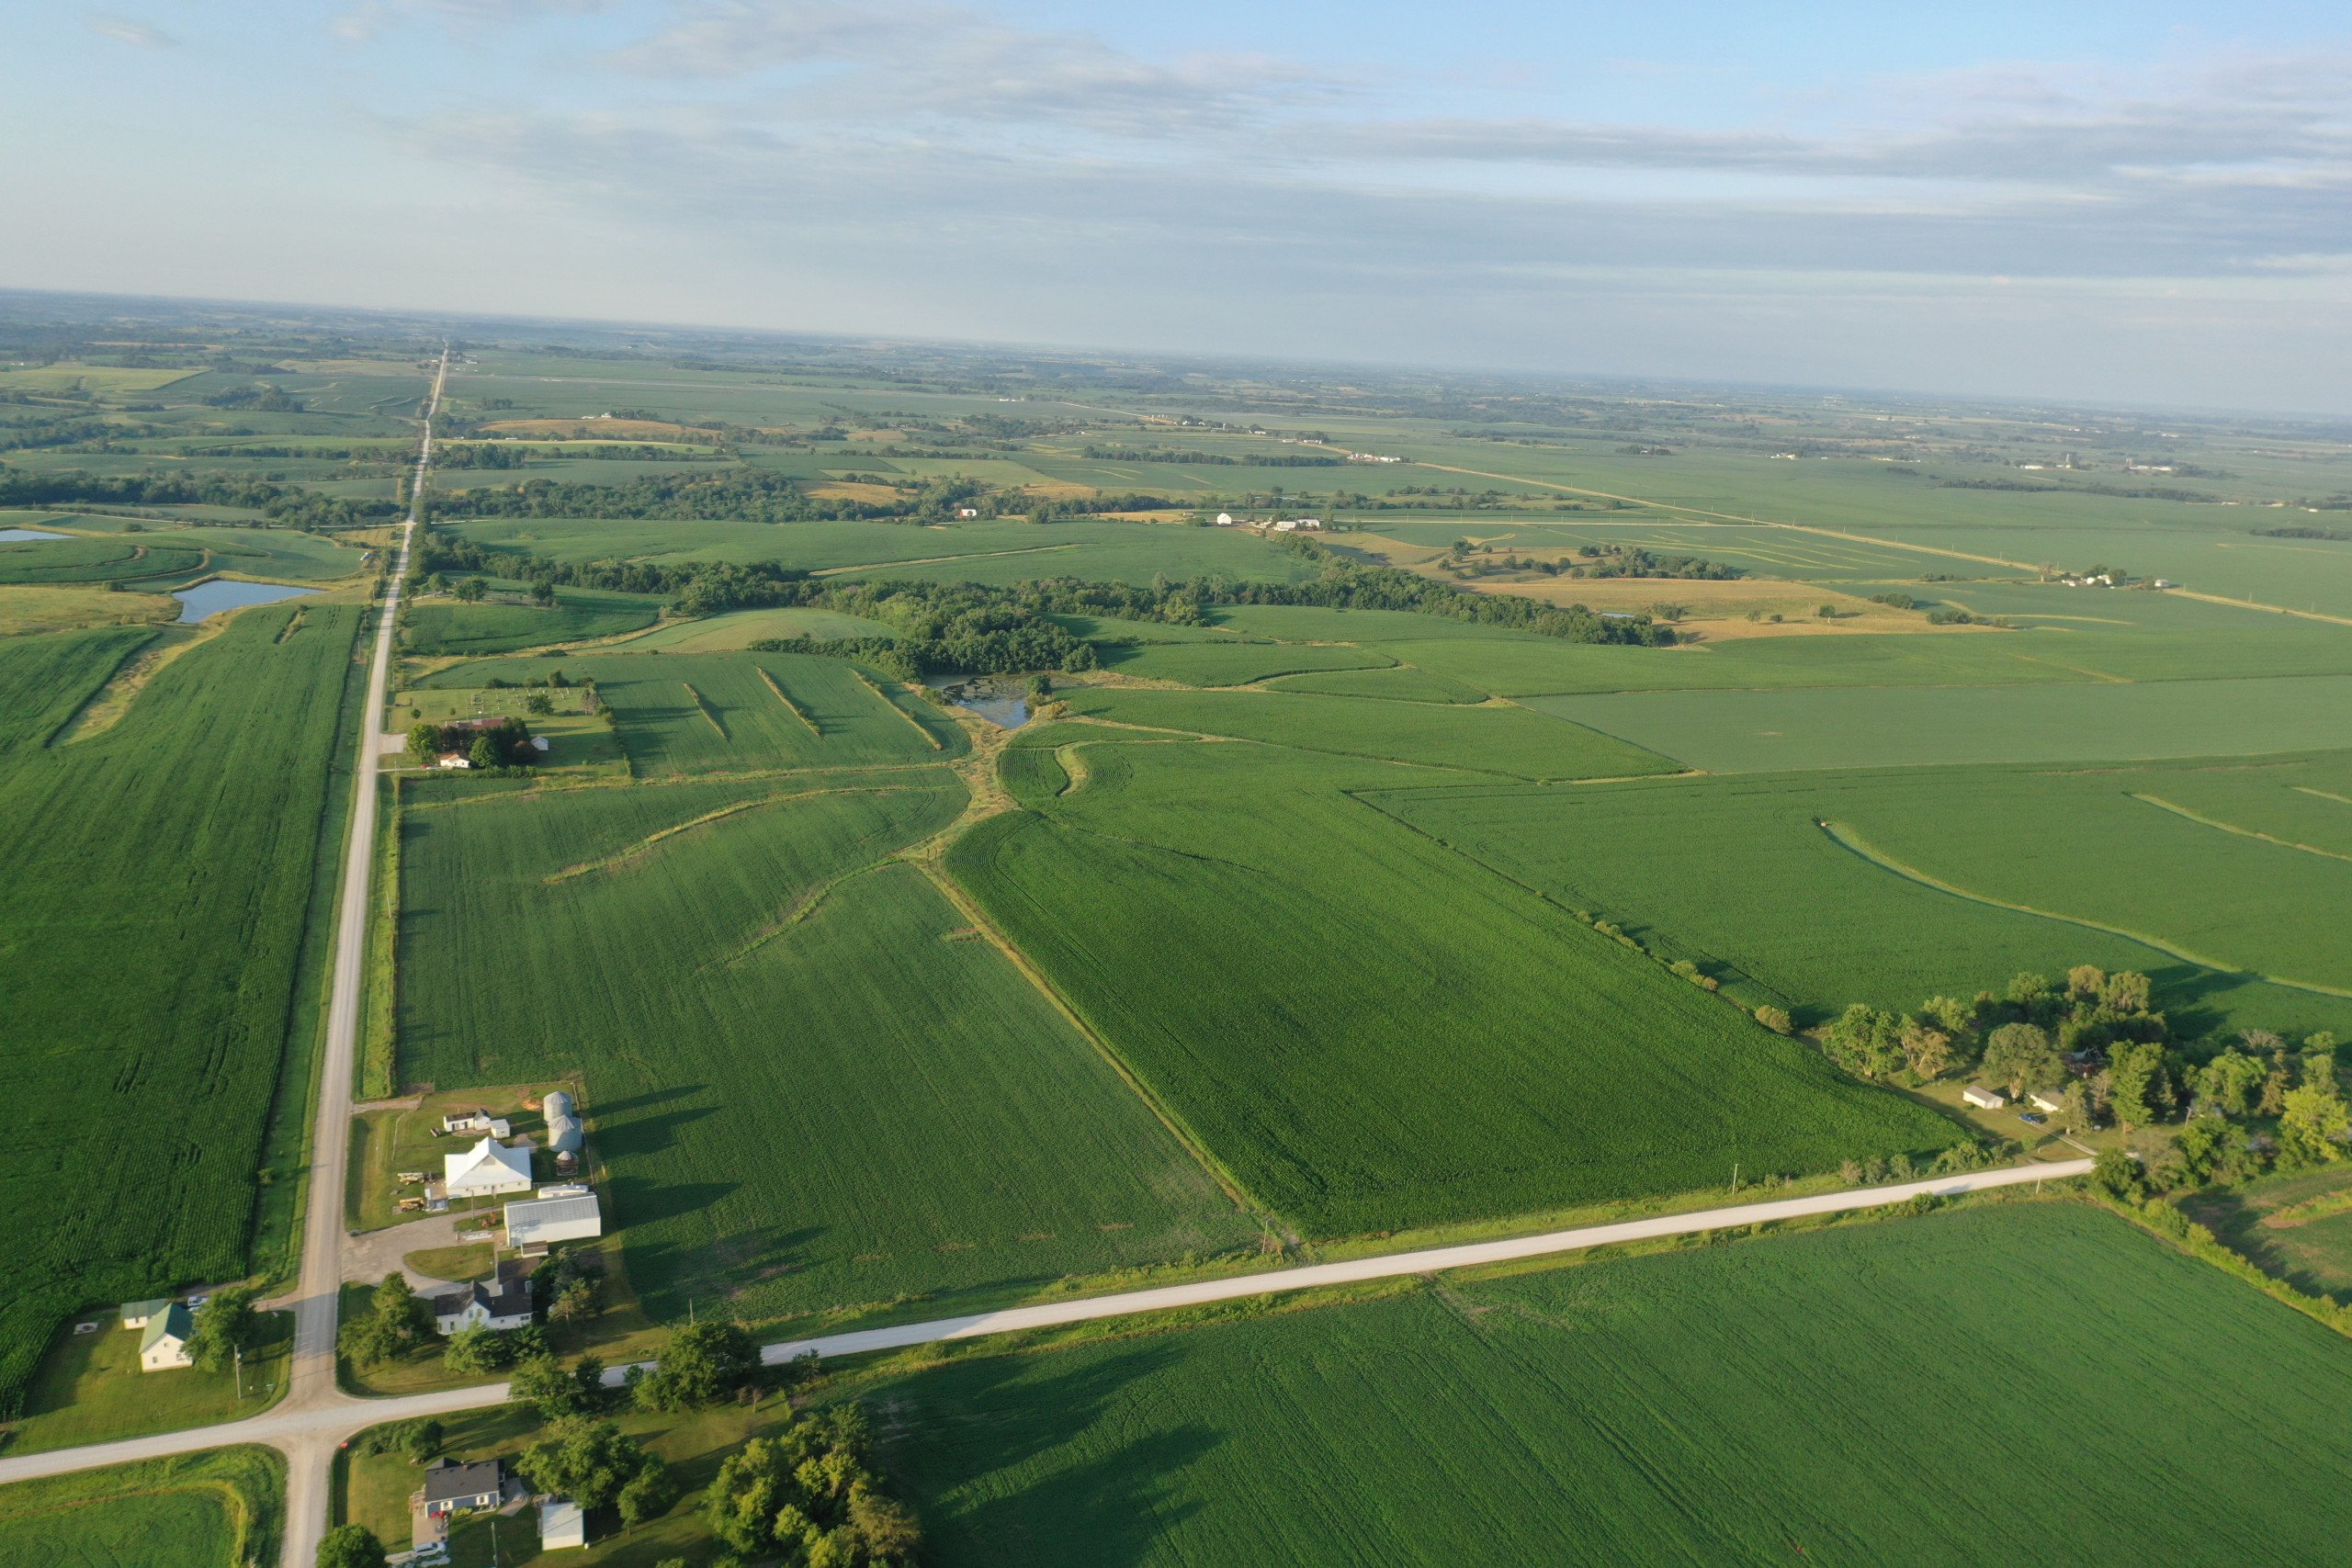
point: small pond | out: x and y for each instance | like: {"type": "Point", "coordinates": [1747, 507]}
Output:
{"type": "Point", "coordinates": [211, 598]}
{"type": "Point", "coordinates": [1003, 700]}
{"type": "Point", "coordinates": [25, 535]}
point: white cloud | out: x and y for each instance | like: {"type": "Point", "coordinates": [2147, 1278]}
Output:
{"type": "Point", "coordinates": [129, 30]}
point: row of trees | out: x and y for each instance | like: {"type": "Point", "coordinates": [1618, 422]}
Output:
{"type": "Point", "coordinates": [280, 503]}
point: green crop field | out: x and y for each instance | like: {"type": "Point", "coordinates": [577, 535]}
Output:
{"type": "Point", "coordinates": [1737, 876]}
{"type": "Point", "coordinates": [448, 625]}
{"type": "Point", "coordinates": [1401, 683]}
{"type": "Point", "coordinates": [732, 633]}
{"type": "Point", "coordinates": [95, 560]}
{"type": "Point", "coordinates": [1205, 664]}
{"type": "Point", "coordinates": [1766, 731]}
{"type": "Point", "coordinates": [44, 680]}
{"type": "Point", "coordinates": [1371, 1031]}
{"type": "Point", "coordinates": [219, 1510]}
{"type": "Point", "coordinates": [812, 1083]}
{"type": "Point", "coordinates": [706, 713]}
{"type": "Point", "coordinates": [2014, 1385]}
{"type": "Point", "coordinates": [1488, 739]}
{"type": "Point", "coordinates": [173, 856]}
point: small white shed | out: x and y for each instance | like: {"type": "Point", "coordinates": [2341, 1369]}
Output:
{"type": "Point", "coordinates": [1989, 1099]}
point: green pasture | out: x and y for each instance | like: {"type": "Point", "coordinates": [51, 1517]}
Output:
{"type": "Point", "coordinates": [2024, 1383]}
{"type": "Point", "coordinates": [185, 833]}
{"type": "Point", "coordinates": [812, 1083]}
{"type": "Point", "coordinates": [1371, 1031]}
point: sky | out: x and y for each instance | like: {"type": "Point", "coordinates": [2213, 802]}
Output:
{"type": "Point", "coordinates": [2144, 203]}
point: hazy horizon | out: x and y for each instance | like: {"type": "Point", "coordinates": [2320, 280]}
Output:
{"type": "Point", "coordinates": [2139, 205]}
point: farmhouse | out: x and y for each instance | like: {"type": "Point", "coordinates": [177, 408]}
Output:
{"type": "Point", "coordinates": [561, 1524]}
{"type": "Point", "coordinates": [501, 1303]}
{"type": "Point", "coordinates": [558, 1213]}
{"type": "Point", "coordinates": [488, 1169]}
{"type": "Point", "coordinates": [2047, 1099]}
{"type": "Point", "coordinates": [1990, 1099]}
{"type": "Point", "coordinates": [1225, 519]}
{"type": "Point", "coordinates": [450, 1486]}
{"type": "Point", "coordinates": [164, 1343]}
{"type": "Point", "coordinates": [476, 1122]}
{"type": "Point", "coordinates": [454, 760]}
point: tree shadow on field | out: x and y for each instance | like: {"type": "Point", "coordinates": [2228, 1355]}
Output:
{"type": "Point", "coordinates": [971, 1428]}
{"type": "Point", "coordinates": [651, 1096]}
{"type": "Point", "coordinates": [668, 1274]}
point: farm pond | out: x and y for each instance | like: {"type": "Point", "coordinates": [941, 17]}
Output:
{"type": "Point", "coordinates": [207, 599]}
{"type": "Point", "coordinates": [1003, 703]}
{"type": "Point", "coordinates": [26, 536]}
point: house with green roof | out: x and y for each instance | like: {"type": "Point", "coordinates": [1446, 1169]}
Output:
{"type": "Point", "coordinates": [164, 1346]}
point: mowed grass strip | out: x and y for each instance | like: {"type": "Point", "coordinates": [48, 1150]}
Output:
{"type": "Point", "coordinates": [158, 875]}
{"type": "Point", "coordinates": [832, 714]}
{"type": "Point", "coordinates": [1372, 1031]}
{"type": "Point", "coordinates": [1773, 1401]}
{"type": "Point", "coordinates": [1496, 739]}
{"type": "Point", "coordinates": [813, 1084]}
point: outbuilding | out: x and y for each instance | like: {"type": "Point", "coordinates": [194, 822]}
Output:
{"type": "Point", "coordinates": [136, 1314]}
{"type": "Point", "coordinates": [1988, 1098]}
{"type": "Point", "coordinates": [476, 1120]}
{"type": "Point", "coordinates": [2047, 1099]}
{"type": "Point", "coordinates": [561, 1524]}
{"type": "Point", "coordinates": [485, 1170]}
{"type": "Point", "coordinates": [558, 1213]}
{"type": "Point", "coordinates": [164, 1347]}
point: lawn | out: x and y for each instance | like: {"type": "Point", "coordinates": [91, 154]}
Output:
{"type": "Point", "coordinates": [1769, 732]}
{"type": "Point", "coordinates": [1509, 740]}
{"type": "Point", "coordinates": [218, 1509]}
{"type": "Point", "coordinates": [2021, 1383]}
{"type": "Point", "coordinates": [171, 854]}
{"type": "Point", "coordinates": [1738, 875]}
{"type": "Point", "coordinates": [89, 1387]}
{"type": "Point", "coordinates": [1373, 1032]}
{"type": "Point", "coordinates": [811, 1084]}
{"type": "Point", "coordinates": [710, 713]}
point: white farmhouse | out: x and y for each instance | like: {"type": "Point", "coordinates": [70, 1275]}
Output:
{"type": "Point", "coordinates": [485, 1170]}
{"type": "Point", "coordinates": [499, 1303]}
{"type": "Point", "coordinates": [164, 1346]}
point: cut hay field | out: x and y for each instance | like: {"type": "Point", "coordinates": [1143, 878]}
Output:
{"type": "Point", "coordinates": [1838, 1396]}
{"type": "Point", "coordinates": [27, 611]}
{"type": "Point", "coordinates": [812, 1083]}
{"type": "Point", "coordinates": [1736, 875]}
{"type": "Point", "coordinates": [219, 1510]}
{"type": "Point", "coordinates": [712, 712]}
{"type": "Point", "coordinates": [438, 627]}
{"type": "Point", "coordinates": [1769, 732]}
{"type": "Point", "coordinates": [1509, 740]}
{"type": "Point", "coordinates": [172, 854]}
{"type": "Point", "coordinates": [1371, 1031]}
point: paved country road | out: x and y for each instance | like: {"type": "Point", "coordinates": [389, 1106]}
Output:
{"type": "Point", "coordinates": [315, 1427]}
